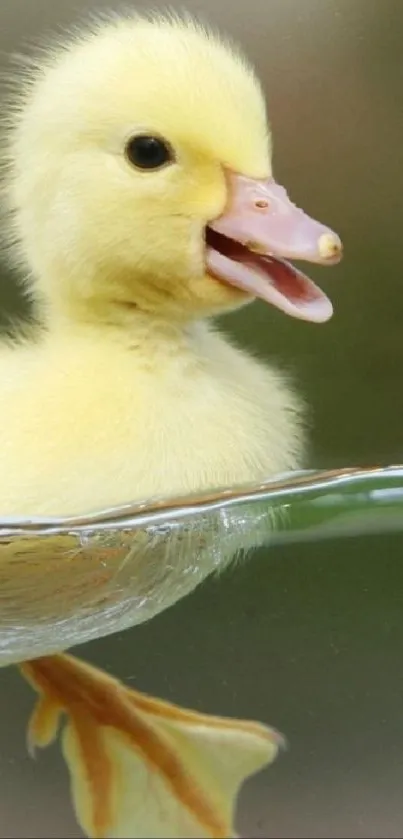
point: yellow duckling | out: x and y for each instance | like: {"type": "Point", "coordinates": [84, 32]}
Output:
{"type": "Point", "coordinates": [142, 203]}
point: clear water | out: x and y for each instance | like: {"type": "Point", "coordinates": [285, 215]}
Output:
{"type": "Point", "coordinates": [307, 635]}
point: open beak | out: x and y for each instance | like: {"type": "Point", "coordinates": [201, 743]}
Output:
{"type": "Point", "coordinates": [250, 244]}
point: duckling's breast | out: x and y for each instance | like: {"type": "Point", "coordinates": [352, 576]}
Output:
{"type": "Point", "coordinates": [94, 424]}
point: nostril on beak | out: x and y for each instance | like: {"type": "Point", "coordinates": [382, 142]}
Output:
{"type": "Point", "coordinates": [261, 204]}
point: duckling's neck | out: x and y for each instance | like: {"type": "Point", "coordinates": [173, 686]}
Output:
{"type": "Point", "coordinates": [123, 323]}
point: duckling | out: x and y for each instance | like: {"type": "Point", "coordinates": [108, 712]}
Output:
{"type": "Point", "coordinates": [142, 204]}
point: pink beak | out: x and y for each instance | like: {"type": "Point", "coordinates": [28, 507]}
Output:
{"type": "Point", "coordinates": [250, 244]}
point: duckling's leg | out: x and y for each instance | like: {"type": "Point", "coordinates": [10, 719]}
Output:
{"type": "Point", "coordinates": [141, 767]}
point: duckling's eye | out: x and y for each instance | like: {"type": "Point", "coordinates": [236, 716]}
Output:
{"type": "Point", "coordinates": [147, 152]}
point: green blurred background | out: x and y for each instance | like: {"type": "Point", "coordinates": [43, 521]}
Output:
{"type": "Point", "coordinates": [308, 638]}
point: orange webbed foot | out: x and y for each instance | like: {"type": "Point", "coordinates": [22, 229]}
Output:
{"type": "Point", "coordinates": [141, 767]}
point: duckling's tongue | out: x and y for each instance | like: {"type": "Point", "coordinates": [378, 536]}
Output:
{"type": "Point", "coordinates": [250, 244]}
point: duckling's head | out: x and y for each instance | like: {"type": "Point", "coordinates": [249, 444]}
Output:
{"type": "Point", "coordinates": [140, 180]}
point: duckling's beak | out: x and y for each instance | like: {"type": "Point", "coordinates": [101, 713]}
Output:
{"type": "Point", "coordinates": [250, 244]}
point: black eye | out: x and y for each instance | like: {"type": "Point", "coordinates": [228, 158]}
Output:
{"type": "Point", "coordinates": [146, 152]}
